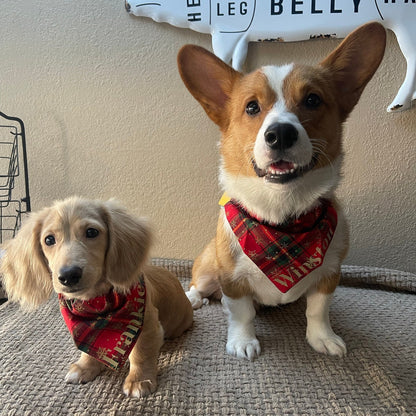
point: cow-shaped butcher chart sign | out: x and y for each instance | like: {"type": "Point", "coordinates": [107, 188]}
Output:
{"type": "Point", "coordinates": [233, 24]}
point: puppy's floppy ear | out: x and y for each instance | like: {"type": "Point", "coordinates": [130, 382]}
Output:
{"type": "Point", "coordinates": [23, 267]}
{"type": "Point", "coordinates": [208, 79]}
{"type": "Point", "coordinates": [129, 241]}
{"type": "Point", "coordinates": [354, 63]}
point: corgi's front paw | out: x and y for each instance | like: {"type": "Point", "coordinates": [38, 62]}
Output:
{"type": "Point", "coordinates": [195, 298]}
{"type": "Point", "coordinates": [248, 348]}
{"type": "Point", "coordinates": [330, 344]}
{"type": "Point", "coordinates": [78, 374]}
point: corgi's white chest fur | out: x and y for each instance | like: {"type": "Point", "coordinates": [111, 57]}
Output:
{"type": "Point", "coordinates": [265, 292]}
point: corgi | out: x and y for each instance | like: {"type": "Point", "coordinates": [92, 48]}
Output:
{"type": "Point", "coordinates": [281, 233]}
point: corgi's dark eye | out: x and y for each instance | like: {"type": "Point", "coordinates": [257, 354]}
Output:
{"type": "Point", "coordinates": [252, 108]}
{"type": "Point", "coordinates": [50, 240]}
{"type": "Point", "coordinates": [312, 100]}
{"type": "Point", "coordinates": [91, 233]}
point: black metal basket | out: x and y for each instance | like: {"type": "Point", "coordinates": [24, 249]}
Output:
{"type": "Point", "coordinates": [12, 157]}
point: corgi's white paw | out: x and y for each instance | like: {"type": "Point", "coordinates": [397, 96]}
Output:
{"type": "Point", "coordinates": [328, 344]}
{"type": "Point", "coordinates": [244, 348]}
{"type": "Point", "coordinates": [195, 298]}
{"type": "Point", "coordinates": [241, 340]}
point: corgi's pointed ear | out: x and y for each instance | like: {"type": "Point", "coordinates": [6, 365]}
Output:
{"type": "Point", "coordinates": [208, 79]}
{"type": "Point", "coordinates": [129, 241]}
{"type": "Point", "coordinates": [354, 63]}
{"type": "Point", "coordinates": [23, 266]}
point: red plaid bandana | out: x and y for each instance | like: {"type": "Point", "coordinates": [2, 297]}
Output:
{"type": "Point", "coordinates": [284, 253]}
{"type": "Point", "coordinates": [106, 327]}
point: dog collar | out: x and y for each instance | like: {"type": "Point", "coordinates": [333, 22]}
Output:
{"type": "Point", "coordinates": [106, 327]}
{"type": "Point", "coordinates": [284, 253]}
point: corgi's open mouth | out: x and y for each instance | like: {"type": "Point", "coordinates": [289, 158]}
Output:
{"type": "Point", "coordinates": [283, 171]}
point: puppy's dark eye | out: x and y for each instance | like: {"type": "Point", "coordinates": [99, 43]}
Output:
{"type": "Point", "coordinates": [312, 100]}
{"type": "Point", "coordinates": [252, 108]}
{"type": "Point", "coordinates": [50, 240]}
{"type": "Point", "coordinates": [91, 233]}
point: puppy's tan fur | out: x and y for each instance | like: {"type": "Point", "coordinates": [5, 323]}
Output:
{"type": "Point", "coordinates": [115, 258]}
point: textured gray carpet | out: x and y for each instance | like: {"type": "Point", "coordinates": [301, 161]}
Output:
{"type": "Point", "coordinates": [376, 318]}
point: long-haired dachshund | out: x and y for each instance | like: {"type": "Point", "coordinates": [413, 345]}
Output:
{"type": "Point", "coordinates": [93, 255]}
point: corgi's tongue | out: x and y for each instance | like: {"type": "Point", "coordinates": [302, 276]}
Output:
{"type": "Point", "coordinates": [281, 167]}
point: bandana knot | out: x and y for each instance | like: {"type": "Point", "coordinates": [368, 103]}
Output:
{"type": "Point", "coordinates": [288, 252]}
{"type": "Point", "coordinates": [106, 327]}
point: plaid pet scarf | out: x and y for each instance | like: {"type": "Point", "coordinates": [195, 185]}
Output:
{"type": "Point", "coordinates": [108, 326]}
{"type": "Point", "coordinates": [284, 253]}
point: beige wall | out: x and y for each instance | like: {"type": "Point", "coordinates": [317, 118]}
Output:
{"type": "Point", "coordinates": [107, 116]}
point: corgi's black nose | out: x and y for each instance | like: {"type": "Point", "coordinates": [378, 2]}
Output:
{"type": "Point", "coordinates": [70, 276]}
{"type": "Point", "coordinates": [281, 136]}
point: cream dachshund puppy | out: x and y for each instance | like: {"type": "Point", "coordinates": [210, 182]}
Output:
{"type": "Point", "coordinates": [93, 255]}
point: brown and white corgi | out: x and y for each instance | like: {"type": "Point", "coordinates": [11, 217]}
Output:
{"type": "Point", "coordinates": [281, 233]}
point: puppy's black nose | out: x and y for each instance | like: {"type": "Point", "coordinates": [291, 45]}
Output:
{"type": "Point", "coordinates": [281, 136]}
{"type": "Point", "coordinates": [70, 276]}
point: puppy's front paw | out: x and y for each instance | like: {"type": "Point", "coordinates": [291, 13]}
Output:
{"type": "Point", "coordinates": [80, 375]}
{"type": "Point", "coordinates": [248, 348]}
{"type": "Point", "coordinates": [330, 344]}
{"type": "Point", "coordinates": [139, 388]}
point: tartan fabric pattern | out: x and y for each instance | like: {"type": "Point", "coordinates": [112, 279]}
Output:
{"type": "Point", "coordinates": [106, 327]}
{"type": "Point", "coordinates": [284, 253]}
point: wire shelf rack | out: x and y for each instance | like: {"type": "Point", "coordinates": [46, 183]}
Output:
{"type": "Point", "coordinates": [14, 178]}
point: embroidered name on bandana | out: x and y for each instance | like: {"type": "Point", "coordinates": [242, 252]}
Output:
{"type": "Point", "coordinates": [287, 253]}
{"type": "Point", "coordinates": [106, 327]}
